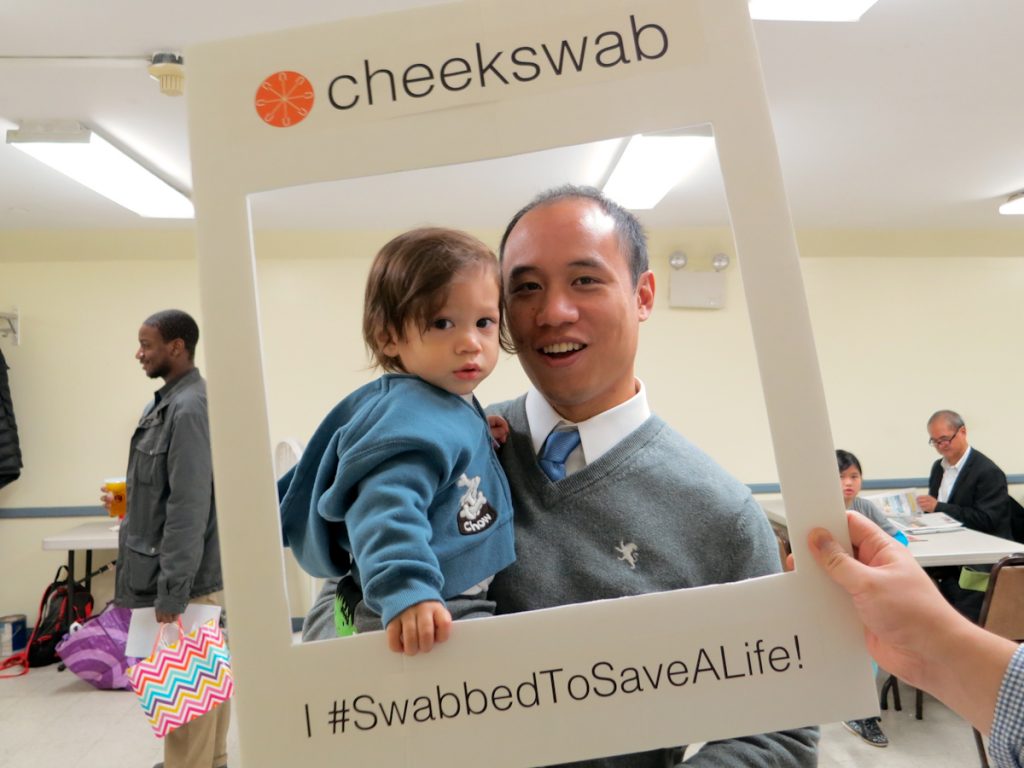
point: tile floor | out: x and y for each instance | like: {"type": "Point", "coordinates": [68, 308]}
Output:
{"type": "Point", "coordinates": [51, 719]}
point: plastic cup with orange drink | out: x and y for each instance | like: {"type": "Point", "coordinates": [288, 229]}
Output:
{"type": "Point", "coordinates": [118, 488]}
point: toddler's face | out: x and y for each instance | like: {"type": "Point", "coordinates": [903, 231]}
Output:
{"type": "Point", "coordinates": [459, 348]}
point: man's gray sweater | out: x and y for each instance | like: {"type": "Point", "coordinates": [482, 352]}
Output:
{"type": "Point", "coordinates": [655, 513]}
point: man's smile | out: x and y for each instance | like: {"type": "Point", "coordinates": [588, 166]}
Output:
{"type": "Point", "coordinates": [562, 348]}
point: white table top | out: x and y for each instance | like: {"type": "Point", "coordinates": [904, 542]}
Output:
{"type": "Point", "coordinates": [959, 547]}
{"type": "Point", "coordinates": [95, 535]}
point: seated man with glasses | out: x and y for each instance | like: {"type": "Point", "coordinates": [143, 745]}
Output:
{"type": "Point", "coordinates": [966, 485]}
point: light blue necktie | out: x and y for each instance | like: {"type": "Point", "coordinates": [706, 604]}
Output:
{"type": "Point", "coordinates": [556, 450]}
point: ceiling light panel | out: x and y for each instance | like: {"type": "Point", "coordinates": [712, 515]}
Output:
{"type": "Point", "coordinates": [90, 160]}
{"type": "Point", "coordinates": [809, 10]}
{"type": "Point", "coordinates": [651, 165]}
{"type": "Point", "coordinates": [1014, 205]}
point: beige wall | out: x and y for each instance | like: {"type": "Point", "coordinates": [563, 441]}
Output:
{"type": "Point", "coordinates": [905, 322]}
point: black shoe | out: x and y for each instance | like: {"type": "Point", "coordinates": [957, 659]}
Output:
{"type": "Point", "coordinates": [870, 730]}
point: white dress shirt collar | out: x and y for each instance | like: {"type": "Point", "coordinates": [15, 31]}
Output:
{"type": "Point", "coordinates": [950, 472]}
{"type": "Point", "coordinates": [960, 464]}
{"type": "Point", "coordinates": [598, 434]}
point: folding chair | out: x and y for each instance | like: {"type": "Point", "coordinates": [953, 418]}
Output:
{"type": "Point", "coordinates": [1002, 613]}
{"type": "Point", "coordinates": [892, 685]}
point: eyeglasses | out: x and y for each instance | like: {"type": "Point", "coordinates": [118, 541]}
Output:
{"type": "Point", "coordinates": [942, 442]}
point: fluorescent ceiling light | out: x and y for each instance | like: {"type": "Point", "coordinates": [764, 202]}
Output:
{"type": "Point", "coordinates": [809, 10]}
{"type": "Point", "coordinates": [1014, 205]}
{"type": "Point", "coordinates": [651, 165]}
{"type": "Point", "coordinates": [89, 159]}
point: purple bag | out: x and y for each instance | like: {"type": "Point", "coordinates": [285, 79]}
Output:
{"type": "Point", "coordinates": [95, 651]}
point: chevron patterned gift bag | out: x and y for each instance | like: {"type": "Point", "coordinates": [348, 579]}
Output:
{"type": "Point", "coordinates": [178, 683]}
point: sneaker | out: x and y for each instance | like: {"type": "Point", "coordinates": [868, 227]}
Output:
{"type": "Point", "coordinates": [870, 730]}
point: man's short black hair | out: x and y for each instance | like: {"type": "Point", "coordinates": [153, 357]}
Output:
{"type": "Point", "coordinates": [174, 324]}
{"type": "Point", "coordinates": [627, 226]}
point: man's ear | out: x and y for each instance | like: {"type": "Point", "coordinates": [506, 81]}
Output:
{"type": "Point", "coordinates": [645, 295]}
{"type": "Point", "coordinates": [177, 347]}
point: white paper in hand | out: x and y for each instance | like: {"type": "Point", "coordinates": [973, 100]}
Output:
{"type": "Point", "coordinates": [142, 631]}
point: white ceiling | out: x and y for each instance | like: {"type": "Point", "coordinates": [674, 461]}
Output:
{"type": "Point", "coordinates": [912, 118]}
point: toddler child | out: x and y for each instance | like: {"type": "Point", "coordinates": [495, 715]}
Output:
{"type": "Point", "coordinates": [400, 484]}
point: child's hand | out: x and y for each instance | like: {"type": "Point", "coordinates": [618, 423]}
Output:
{"type": "Point", "coordinates": [418, 627]}
{"type": "Point", "coordinates": [499, 430]}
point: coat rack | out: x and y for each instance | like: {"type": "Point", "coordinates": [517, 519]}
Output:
{"type": "Point", "coordinates": [10, 325]}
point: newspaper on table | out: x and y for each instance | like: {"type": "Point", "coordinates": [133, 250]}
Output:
{"type": "Point", "coordinates": [932, 522]}
{"type": "Point", "coordinates": [900, 506]}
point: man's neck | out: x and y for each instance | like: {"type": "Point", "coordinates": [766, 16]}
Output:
{"type": "Point", "coordinates": [953, 462]}
{"type": "Point", "coordinates": [175, 375]}
{"type": "Point", "coordinates": [584, 412]}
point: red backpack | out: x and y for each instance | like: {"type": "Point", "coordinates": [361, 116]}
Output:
{"type": "Point", "coordinates": [56, 615]}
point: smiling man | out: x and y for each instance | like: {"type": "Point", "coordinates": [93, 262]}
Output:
{"type": "Point", "coordinates": [611, 501]}
{"type": "Point", "coordinates": [168, 549]}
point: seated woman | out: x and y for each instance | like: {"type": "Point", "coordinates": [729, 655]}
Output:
{"type": "Point", "coordinates": [851, 478]}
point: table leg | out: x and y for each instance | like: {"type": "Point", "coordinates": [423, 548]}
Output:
{"type": "Point", "coordinates": [71, 594]}
{"type": "Point", "coordinates": [71, 580]}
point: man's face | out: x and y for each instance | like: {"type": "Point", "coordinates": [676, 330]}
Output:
{"type": "Point", "coordinates": [573, 312]}
{"type": "Point", "coordinates": [949, 441]}
{"type": "Point", "coordinates": [154, 353]}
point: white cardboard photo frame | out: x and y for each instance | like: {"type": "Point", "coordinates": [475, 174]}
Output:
{"type": "Point", "coordinates": [767, 654]}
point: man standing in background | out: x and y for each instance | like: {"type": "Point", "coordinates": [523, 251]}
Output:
{"type": "Point", "coordinates": [968, 486]}
{"type": "Point", "coordinates": [168, 550]}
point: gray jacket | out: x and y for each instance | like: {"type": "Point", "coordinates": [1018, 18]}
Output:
{"type": "Point", "coordinates": [168, 550]}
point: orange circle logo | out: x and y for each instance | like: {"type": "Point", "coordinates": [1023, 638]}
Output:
{"type": "Point", "coordinates": [284, 99]}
